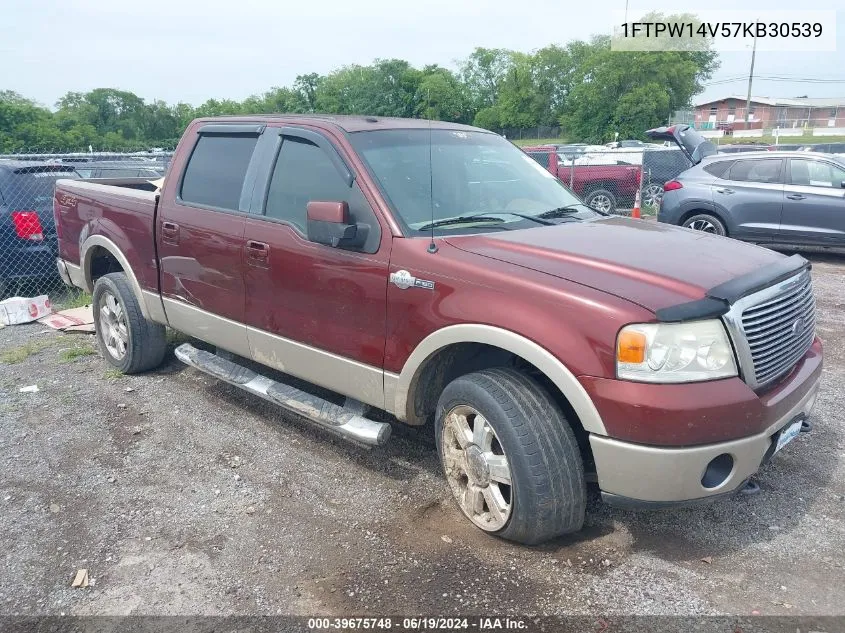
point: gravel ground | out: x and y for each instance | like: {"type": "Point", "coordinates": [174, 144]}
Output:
{"type": "Point", "coordinates": [182, 495]}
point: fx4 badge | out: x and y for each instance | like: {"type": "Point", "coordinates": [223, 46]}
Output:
{"type": "Point", "coordinates": [404, 280]}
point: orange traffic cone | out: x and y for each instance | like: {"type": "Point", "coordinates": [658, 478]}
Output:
{"type": "Point", "coordinates": [635, 213]}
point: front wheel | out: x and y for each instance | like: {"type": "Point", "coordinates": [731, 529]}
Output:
{"type": "Point", "coordinates": [601, 200]}
{"type": "Point", "coordinates": [126, 339]}
{"type": "Point", "coordinates": [510, 456]}
{"type": "Point", "coordinates": [706, 223]}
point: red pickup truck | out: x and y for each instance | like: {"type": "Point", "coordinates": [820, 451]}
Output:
{"type": "Point", "coordinates": [433, 272]}
{"type": "Point", "coordinates": [603, 187]}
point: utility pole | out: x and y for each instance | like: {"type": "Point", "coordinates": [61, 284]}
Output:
{"type": "Point", "coordinates": [626, 11]}
{"type": "Point", "coordinates": [750, 78]}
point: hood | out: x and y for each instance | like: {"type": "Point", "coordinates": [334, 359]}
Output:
{"type": "Point", "coordinates": [653, 265]}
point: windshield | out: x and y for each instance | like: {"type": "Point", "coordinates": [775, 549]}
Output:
{"type": "Point", "coordinates": [430, 176]}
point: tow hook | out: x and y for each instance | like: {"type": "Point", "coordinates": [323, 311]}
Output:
{"type": "Point", "coordinates": [806, 426]}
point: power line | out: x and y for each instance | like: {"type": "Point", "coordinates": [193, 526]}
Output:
{"type": "Point", "coordinates": [718, 82]}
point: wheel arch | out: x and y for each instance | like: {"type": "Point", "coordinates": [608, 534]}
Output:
{"type": "Point", "coordinates": [705, 210]}
{"type": "Point", "coordinates": [99, 255]}
{"type": "Point", "coordinates": [426, 371]}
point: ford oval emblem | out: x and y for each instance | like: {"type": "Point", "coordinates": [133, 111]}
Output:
{"type": "Point", "coordinates": [798, 327]}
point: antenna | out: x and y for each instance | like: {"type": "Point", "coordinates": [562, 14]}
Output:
{"type": "Point", "coordinates": [432, 247]}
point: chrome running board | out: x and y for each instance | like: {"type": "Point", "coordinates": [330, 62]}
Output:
{"type": "Point", "coordinates": [347, 421]}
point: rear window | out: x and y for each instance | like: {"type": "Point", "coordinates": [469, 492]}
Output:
{"type": "Point", "coordinates": [31, 188]}
{"type": "Point", "coordinates": [719, 169]}
{"type": "Point", "coordinates": [216, 170]}
{"type": "Point", "coordinates": [762, 170]}
{"type": "Point", "coordinates": [541, 157]}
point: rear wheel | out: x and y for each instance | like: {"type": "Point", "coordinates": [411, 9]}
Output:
{"type": "Point", "coordinates": [126, 339]}
{"type": "Point", "coordinates": [652, 195]}
{"type": "Point", "coordinates": [601, 200]}
{"type": "Point", "coordinates": [510, 456]}
{"type": "Point", "coordinates": [706, 223]}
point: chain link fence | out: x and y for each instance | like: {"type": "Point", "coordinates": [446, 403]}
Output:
{"type": "Point", "coordinates": [608, 179]}
{"type": "Point", "coordinates": [28, 240]}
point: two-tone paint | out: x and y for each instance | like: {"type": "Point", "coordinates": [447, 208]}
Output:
{"type": "Point", "coordinates": [554, 296]}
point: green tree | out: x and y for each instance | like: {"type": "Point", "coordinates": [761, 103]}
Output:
{"type": "Point", "coordinates": [482, 73]}
{"type": "Point", "coordinates": [637, 89]}
{"type": "Point", "coordinates": [441, 96]}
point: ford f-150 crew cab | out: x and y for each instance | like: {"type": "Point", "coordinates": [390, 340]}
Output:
{"type": "Point", "coordinates": [435, 272]}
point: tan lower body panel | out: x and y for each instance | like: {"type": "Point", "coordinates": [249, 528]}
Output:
{"type": "Point", "coordinates": [225, 334]}
{"type": "Point", "coordinates": [330, 371]}
{"type": "Point", "coordinates": [651, 473]}
{"type": "Point", "coordinates": [342, 375]}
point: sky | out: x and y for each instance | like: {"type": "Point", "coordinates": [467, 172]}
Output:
{"type": "Point", "coordinates": [193, 50]}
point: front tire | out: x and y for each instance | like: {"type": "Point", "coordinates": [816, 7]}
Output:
{"type": "Point", "coordinates": [510, 456]}
{"type": "Point", "coordinates": [706, 223]}
{"type": "Point", "coordinates": [126, 339]}
{"type": "Point", "coordinates": [601, 200]}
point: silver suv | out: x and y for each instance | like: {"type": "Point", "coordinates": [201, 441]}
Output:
{"type": "Point", "coordinates": [783, 198]}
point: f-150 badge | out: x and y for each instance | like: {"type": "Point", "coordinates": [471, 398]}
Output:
{"type": "Point", "coordinates": [404, 280]}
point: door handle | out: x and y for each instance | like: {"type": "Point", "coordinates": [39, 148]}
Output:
{"type": "Point", "coordinates": [796, 196]}
{"type": "Point", "coordinates": [170, 232]}
{"type": "Point", "coordinates": [723, 190]}
{"type": "Point", "coordinates": [257, 252]}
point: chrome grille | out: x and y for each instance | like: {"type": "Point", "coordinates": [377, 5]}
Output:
{"type": "Point", "coordinates": [778, 328]}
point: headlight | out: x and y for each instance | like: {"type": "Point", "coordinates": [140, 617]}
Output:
{"type": "Point", "coordinates": [674, 352]}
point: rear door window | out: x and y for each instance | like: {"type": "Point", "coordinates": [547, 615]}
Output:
{"type": "Point", "coordinates": [214, 176]}
{"type": "Point", "coordinates": [751, 170]}
{"type": "Point", "coordinates": [815, 173]}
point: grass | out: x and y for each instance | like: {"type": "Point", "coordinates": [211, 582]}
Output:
{"type": "Point", "coordinates": [113, 374]}
{"type": "Point", "coordinates": [76, 300]}
{"type": "Point", "coordinates": [176, 338]}
{"type": "Point", "coordinates": [522, 142]}
{"type": "Point", "coordinates": [71, 354]}
{"type": "Point", "coordinates": [21, 353]}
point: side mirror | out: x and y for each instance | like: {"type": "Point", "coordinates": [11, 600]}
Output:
{"type": "Point", "coordinates": [328, 223]}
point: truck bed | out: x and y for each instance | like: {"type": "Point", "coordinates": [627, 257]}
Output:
{"type": "Point", "coordinates": [119, 209]}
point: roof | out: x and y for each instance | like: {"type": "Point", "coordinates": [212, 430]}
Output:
{"type": "Point", "coordinates": [836, 102]}
{"type": "Point", "coordinates": [18, 164]}
{"type": "Point", "coordinates": [765, 154]}
{"type": "Point", "coordinates": [352, 123]}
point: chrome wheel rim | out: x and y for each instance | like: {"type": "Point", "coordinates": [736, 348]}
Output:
{"type": "Point", "coordinates": [601, 203]}
{"type": "Point", "coordinates": [113, 328]}
{"type": "Point", "coordinates": [652, 195]}
{"type": "Point", "coordinates": [703, 225]}
{"type": "Point", "coordinates": [477, 468]}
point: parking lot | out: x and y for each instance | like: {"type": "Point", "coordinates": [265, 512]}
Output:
{"type": "Point", "coordinates": [179, 494]}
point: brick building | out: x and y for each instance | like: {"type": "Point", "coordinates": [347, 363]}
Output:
{"type": "Point", "coordinates": [768, 112]}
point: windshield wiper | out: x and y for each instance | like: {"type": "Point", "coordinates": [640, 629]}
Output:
{"type": "Point", "coordinates": [461, 219]}
{"type": "Point", "coordinates": [558, 212]}
{"type": "Point", "coordinates": [525, 216]}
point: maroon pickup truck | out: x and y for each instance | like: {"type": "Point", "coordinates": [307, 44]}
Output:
{"type": "Point", "coordinates": [435, 273]}
{"type": "Point", "coordinates": [602, 187]}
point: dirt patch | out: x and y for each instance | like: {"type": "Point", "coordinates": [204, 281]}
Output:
{"type": "Point", "coordinates": [183, 495]}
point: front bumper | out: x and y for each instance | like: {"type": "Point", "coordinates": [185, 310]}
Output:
{"type": "Point", "coordinates": [636, 474]}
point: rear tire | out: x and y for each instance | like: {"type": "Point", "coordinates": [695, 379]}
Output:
{"type": "Point", "coordinates": [706, 223]}
{"type": "Point", "coordinates": [601, 200]}
{"type": "Point", "coordinates": [127, 340]}
{"type": "Point", "coordinates": [498, 426]}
